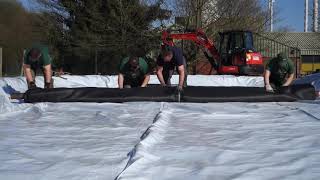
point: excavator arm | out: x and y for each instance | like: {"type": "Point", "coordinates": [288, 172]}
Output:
{"type": "Point", "coordinates": [198, 37]}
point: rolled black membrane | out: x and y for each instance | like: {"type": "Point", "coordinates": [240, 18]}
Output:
{"type": "Point", "coordinates": [170, 94]}
{"type": "Point", "coordinates": [100, 95]}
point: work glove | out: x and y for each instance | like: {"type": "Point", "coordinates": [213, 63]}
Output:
{"type": "Point", "coordinates": [163, 85]}
{"type": "Point", "coordinates": [32, 85]}
{"type": "Point", "coordinates": [180, 88]}
{"type": "Point", "coordinates": [269, 88]}
{"type": "Point", "coordinates": [179, 93]}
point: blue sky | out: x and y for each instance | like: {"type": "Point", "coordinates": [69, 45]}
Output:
{"type": "Point", "coordinates": [290, 13]}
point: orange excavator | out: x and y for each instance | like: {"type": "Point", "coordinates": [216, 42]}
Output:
{"type": "Point", "coordinates": [236, 54]}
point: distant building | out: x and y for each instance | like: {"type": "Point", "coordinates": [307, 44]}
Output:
{"type": "Point", "coordinates": [307, 43]}
{"type": "Point", "coordinates": [303, 48]}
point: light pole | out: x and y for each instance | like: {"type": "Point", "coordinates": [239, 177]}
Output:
{"type": "Point", "coordinates": [306, 15]}
{"type": "Point", "coordinates": [271, 14]}
{"type": "Point", "coordinates": [0, 61]}
{"type": "Point", "coordinates": [316, 15]}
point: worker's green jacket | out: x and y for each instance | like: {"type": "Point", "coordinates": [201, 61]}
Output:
{"type": "Point", "coordinates": [134, 78]}
{"type": "Point", "coordinates": [279, 67]}
{"type": "Point", "coordinates": [43, 60]}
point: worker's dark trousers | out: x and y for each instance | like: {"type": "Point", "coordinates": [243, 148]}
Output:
{"type": "Point", "coordinates": [167, 74]}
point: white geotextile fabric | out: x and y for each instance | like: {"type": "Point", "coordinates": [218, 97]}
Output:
{"type": "Point", "coordinates": [70, 141]}
{"type": "Point", "coordinates": [230, 141]}
{"type": "Point", "coordinates": [19, 83]}
{"type": "Point", "coordinates": [178, 141]}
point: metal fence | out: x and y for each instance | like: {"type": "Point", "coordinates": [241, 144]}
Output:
{"type": "Point", "coordinates": [269, 48]}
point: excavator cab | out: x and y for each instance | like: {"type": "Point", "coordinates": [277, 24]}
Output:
{"type": "Point", "coordinates": [237, 54]}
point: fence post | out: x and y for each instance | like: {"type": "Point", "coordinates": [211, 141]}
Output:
{"type": "Point", "coordinates": [298, 63]}
{"type": "Point", "coordinates": [96, 61]}
{"type": "Point", "coordinates": [0, 61]}
{"type": "Point", "coordinates": [22, 62]}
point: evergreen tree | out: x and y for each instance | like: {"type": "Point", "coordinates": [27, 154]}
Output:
{"type": "Point", "coordinates": [105, 29]}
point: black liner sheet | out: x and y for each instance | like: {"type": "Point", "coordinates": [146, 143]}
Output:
{"type": "Point", "coordinates": [170, 94]}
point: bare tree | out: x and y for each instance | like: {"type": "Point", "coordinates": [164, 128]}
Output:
{"type": "Point", "coordinates": [219, 15]}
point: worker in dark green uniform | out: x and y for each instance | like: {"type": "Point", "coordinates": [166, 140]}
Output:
{"type": "Point", "coordinates": [133, 72]}
{"type": "Point", "coordinates": [279, 72]}
{"type": "Point", "coordinates": [36, 58]}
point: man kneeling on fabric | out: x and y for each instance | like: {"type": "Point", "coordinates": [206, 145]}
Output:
{"type": "Point", "coordinates": [38, 58]}
{"type": "Point", "coordinates": [279, 72]}
{"type": "Point", "coordinates": [171, 58]}
{"type": "Point", "coordinates": [133, 72]}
